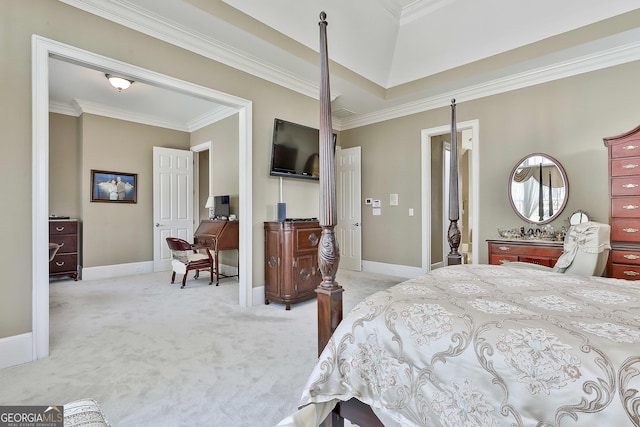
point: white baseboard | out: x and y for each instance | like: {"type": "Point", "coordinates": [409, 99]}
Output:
{"type": "Point", "coordinates": [437, 265]}
{"type": "Point", "coordinates": [396, 270]}
{"type": "Point", "coordinates": [16, 350]}
{"type": "Point", "coordinates": [116, 270]}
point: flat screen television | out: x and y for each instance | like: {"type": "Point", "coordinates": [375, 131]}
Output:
{"type": "Point", "coordinates": [295, 150]}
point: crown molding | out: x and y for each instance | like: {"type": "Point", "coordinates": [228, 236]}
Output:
{"type": "Point", "coordinates": [81, 106]}
{"type": "Point", "coordinates": [420, 8]}
{"type": "Point", "coordinates": [604, 59]}
{"type": "Point", "coordinates": [120, 114]}
{"type": "Point", "coordinates": [128, 15]}
{"type": "Point", "coordinates": [213, 116]}
{"type": "Point", "coordinates": [66, 109]}
{"type": "Point", "coordinates": [123, 13]}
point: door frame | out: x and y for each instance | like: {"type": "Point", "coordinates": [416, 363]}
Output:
{"type": "Point", "coordinates": [425, 144]}
{"type": "Point", "coordinates": [41, 49]}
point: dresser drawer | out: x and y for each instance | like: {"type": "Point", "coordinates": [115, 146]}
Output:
{"type": "Point", "coordinates": [628, 207]}
{"type": "Point", "coordinates": [63, 227]}
{"type": "Point", "coordinates": [68, 242]}
{"type": "Point", "coordinates": [629, 272]}
{"type": "Point", "coordinates": [534, 252]}
{"type": "Point", "coordinates": [630, 148]}
{"type": "Point", "coordinates": [497, 259]}
{"type": "Point", "coordinates": [625, 167]}
{"type": "Point", "coordinates": [547, 262]}
{"type": "Point", "coordinates": [625, 186]}
{"type": "Point", "coordinates": [308, 238]}
{"type": "Point", "coordinates": [625, 230]}
{"type": "Point", "coordinates": [530, 249]}
{"type": "Point", "coordinates": [618, 256]}
{"type": "Point", "coordinates": [63, 262]}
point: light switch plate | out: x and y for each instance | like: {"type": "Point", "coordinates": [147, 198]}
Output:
{"type": "Point", "coordinates": [393, 200]}
{"type": "Point", "coordinates": [376, 211]}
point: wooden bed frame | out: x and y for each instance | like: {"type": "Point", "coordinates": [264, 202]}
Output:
{"type": "Point", "coordinates": [329, 292]}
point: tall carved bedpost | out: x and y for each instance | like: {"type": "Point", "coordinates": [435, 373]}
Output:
{"type": "Point", "coordinates": [453, 235]}
{"type": "Point", "coordinates": [329, 292]}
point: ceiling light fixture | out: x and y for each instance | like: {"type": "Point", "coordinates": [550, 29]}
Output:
{"type": "Point", "coordinates": [119, 83]}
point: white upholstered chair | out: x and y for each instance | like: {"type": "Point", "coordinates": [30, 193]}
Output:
{"type": "Point", "coordinates": [585, 252]}
{"type": "Point", "coordinates": [185, 259]}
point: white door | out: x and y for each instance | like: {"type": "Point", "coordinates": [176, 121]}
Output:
{"type": "Point", "coordinates": [348, 191]}
{"type": "Point", "coordinates": [172, 201]}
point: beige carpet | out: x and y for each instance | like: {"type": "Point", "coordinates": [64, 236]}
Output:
{"type": "Point", "coordinates": [153, 354]}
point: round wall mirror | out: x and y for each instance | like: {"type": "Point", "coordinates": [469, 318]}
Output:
{"type": "Point", "coordinates": [538, 188]}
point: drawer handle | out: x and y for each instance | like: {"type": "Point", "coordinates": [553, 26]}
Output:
{"type": "Point", "coordinates": [629, 147]}
{"type": "Point", "coordinates": [630, 166]}
{"type": "Point", "coordinates": [630, 207]}
{"type": "Point", "coordinates": [59, 264]}
{"type": "Point", "coordinates": [503, 248]}
{"type": "Point", "coordinates": [631, 273]}
{"type": "Point", "coordinates": [59, 228]}
{"type": "Point", "coordinates": [630, 230]}
{"type": "Point", "coordinates": [631, 256]}
{"type": "Point", "coordinates": [629, 185]}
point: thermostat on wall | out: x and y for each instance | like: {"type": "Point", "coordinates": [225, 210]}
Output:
{"type": "Point", "coordinates": [376, 203]}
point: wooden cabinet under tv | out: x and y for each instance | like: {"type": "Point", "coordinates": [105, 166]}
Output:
{"type": "Point", "coordinates": [291, 261]}
{"type": "Point", "coordinates": [536, 252]}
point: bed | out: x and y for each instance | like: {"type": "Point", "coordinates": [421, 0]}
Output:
{"type": "Point", "coordinates": [469, 345]}
{"type": "Point", "coordinates": [486, 345]}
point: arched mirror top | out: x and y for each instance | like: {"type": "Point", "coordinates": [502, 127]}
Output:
{"type": "Point", "coordinates": [538, 188]}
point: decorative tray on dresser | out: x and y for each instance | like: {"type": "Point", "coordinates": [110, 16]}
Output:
{"type": "Point", "coordinates": [543, 252]}
{"type": "Point", "coordinates": [624, 213]}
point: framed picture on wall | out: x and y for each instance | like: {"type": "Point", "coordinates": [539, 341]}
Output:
{"type": "Point", "coordinates": [114, 187]}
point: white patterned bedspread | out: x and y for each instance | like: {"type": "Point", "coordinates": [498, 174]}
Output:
{"type": "Point", "coordinates": [484, 345]}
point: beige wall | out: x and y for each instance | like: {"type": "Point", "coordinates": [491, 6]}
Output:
{"type": "Point", "coordinates": [566, 119]}
{"type": "Point", "coordinates": [64, 166]}
{"type": "Point", "coordinates": [115, 233]}
{"type": "Point", "coordinates": [223, 136]}
{"type": "Point", "coordinates": [57, 21]}
{"type": "Point", "coordinates": [223, 161]}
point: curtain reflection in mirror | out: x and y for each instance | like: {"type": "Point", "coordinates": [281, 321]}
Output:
{"type": "Point", "coordinates": [528, 188]}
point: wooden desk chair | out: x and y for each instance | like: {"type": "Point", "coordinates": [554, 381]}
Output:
{"type": "Point", "coordinates": [186, 258]}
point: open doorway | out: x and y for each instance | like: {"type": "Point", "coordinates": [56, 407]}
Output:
{"type": "Point", "coordinates": [434, 216]}
{"type": "Point", "coordinates": [42, 49]}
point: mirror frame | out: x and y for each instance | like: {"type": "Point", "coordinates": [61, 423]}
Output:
{"type": "Point", "coordinates": [556, 215]}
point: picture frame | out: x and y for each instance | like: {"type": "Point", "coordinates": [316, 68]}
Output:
{"type": "Point", "coordinates": [114, 187]}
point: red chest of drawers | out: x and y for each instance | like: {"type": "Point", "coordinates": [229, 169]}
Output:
{"type": "Point", "coordinates": [624, 213]}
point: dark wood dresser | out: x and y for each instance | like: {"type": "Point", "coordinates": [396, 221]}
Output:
{"type": "Point", "coordinates": [624, 213]}
{"type": "Point", "coordinates": [291, 261]}
{"type": "Point", "coordinates": [64, 232]}
{"type": "Point", "coordinates": [533, 251]}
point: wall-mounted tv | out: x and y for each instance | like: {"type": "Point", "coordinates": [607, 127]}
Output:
{"type": "Point", "coordinates": [295, 150]}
